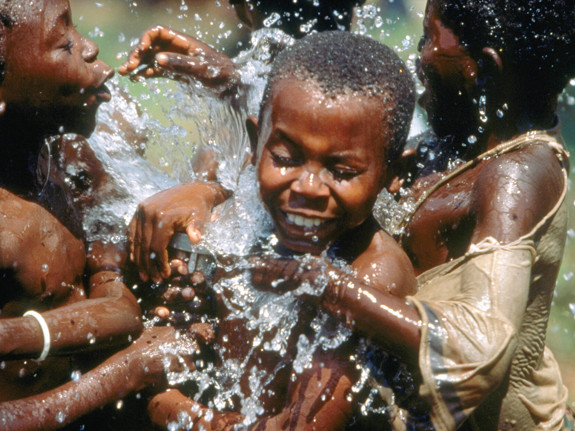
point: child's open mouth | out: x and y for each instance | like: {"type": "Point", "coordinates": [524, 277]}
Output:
{"type": "Point", "coordinates": [103, 94]}
{"type": "Point", "coordinates": [299, 220]}
{"type": "Point", "coordinates": [308, 223]}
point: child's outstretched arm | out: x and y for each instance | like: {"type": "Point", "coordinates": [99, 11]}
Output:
{"type": "Point", "coordinates": [140, 365]}
{"type": "Point", "coordinates": [163, 51]}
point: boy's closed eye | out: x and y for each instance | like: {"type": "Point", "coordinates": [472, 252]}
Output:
{"type": "Point", "coordinates": [68, 47]}
{"type": "Point", "coordinates": [342, 172]}
{"type": "Point", "coordinates": [285, 154]}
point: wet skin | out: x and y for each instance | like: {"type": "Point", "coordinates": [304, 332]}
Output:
{"type": "Point", "coordinates": [320, 163]}
{"type": "Point", "coordinates": [503, 197]}
{"type": "Point", "coordinates": [323, 162]}
{"type": "Point", "coordinates": [52, 80]}
{"type": "Point", "coordinates": [51, 67]}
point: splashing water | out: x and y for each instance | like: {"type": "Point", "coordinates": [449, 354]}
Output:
{"type": "Point", "coordinates": [241, 222]}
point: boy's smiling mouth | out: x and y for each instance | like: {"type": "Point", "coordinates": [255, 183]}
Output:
{"type": "Point", "coordinates": [304, 221]}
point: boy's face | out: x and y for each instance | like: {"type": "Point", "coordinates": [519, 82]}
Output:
{"type": "Point", "coordinates": [52, 69]}
{"type": "Point", "coordinates": [321, 162]}
{"type": "Point", "coordinates": [449, 74]}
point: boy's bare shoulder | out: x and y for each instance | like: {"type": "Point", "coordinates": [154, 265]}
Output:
{"type": "Point", "coordinates": [515, 191]}
{"type": "Point", "coordinates": [45, 257]}
{"type": "Point", "coordinates": [385, 266]}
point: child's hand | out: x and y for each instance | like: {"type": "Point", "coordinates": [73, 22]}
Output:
{"type": "Point", "coordinates": [184, 297]}
{"type": "Point", "coordinates": [174, 407]}
{"type": "Point", "coordinates": [186, 207]}
{"type": "Point", "coordinates": [163, 51]}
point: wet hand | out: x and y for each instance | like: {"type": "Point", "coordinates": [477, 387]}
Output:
{"type": "Point", "coordinates": [182, 298]}
{"type": "Point", "coordinates": [186, 207]}
{"type": "Point", "coordinates": [165, 52]}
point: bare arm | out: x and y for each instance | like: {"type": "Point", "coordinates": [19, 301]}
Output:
{"type": "Point", "coordinates": [374, 311]}
{"type": "Point", "coordinates": [48, 263]}
{"type": "Point", "coordinates": [129, 370]}
{"type": "Point", "coordinates": [514, 192]}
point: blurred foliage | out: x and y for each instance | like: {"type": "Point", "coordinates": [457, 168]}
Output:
{"type": "Point", "coordinates": [117, 24]}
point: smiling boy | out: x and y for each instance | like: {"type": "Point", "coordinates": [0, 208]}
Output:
{"type": "Point", "coordinates": [334, 119]}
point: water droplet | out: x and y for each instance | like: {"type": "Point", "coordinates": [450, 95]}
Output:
{"type": "Point", "coordinates": [60, 417]}
{"type": "Point", "coordinates": [76, 374]}
{"type": "Point", "coordinates": [90, 337]}
{"type": "Point", "coordinates": [272, 19]}
{"type": "Point", "coordinates": [472, 139]}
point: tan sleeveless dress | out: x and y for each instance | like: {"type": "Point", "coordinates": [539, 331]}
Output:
{"type": "Point", "coordinates": [482, 355]}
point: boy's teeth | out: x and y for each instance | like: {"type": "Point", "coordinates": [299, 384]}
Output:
{"type": "Point", "coordinates": [299, 220]}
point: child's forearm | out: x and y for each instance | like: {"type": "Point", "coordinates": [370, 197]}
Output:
{"type": "Point", "coordinates": [129, 370]}
{"type": "Point", "coordinates": [60, 406]}
{"type": "Point", "coordinates": [381, 316]}
{"type": "Point", "coordinates": [111, 316]}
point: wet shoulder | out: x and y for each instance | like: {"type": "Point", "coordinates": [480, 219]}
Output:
{"type": "Point", "coordinates": [513, 192]}
{"type": "Point", "coordinates": [385, 266]}
{"type": "Point", "coordinates": [42, 255]}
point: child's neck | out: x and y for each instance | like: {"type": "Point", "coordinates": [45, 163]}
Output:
{"type": "Point", "coordinates": [524, 112]}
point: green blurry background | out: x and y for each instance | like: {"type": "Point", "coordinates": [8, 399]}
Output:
{"type": "Point", "coordinates": [117, 24]}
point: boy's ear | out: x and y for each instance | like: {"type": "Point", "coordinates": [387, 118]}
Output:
{"type": "Point", "coordinates": [252, 128]}
{"type": "Point", "coordinates": [397, 172]}
{"type": "Point", "coordinates": [490, 66]}
{"type": "Point", "coordinates": [493, 57]}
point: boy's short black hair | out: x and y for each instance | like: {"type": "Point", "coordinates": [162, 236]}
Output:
{"type": "Point", "coordinates": [341, 62]}
{"type": "Point", "coordinates": [298, 17]}
{"type": "Point", "coordinates": [536, 37]}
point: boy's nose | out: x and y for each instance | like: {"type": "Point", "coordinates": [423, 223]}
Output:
{"type": "Point", "coordinates": [311, 185]}
{"type": "Point", "coordinates": [90, 51]}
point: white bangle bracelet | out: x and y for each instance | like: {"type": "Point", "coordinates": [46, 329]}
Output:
{"type": "Point", "coordinates": [45, 332]}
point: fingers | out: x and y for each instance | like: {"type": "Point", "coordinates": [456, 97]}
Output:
{"type": "Point", "coordinates": [203, 331]}
{"type": "Point", "coordinates": [194, 233]}
{"type": "Point", "coordinates": [181, 64]}
{"type": "Point", "coordinates": [162, 50]}
{"type": "Point", "coordinates": [149, 237]}
{"type": "Point", "coordinates": [154, 38]}
{"type": "Point", "coordinates": [275, 274]}
{"type": "Point", "coordinates": [186, 207]}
